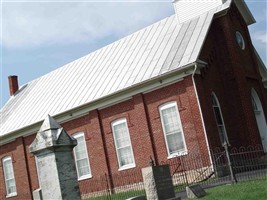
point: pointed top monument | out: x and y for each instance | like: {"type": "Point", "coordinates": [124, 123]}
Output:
{"type": "Point", "coordinates": [57, 175]}
{"type": "Point", "coordinates": [49, 124]}
{"type": "Point", "coordinates": [51, 135]}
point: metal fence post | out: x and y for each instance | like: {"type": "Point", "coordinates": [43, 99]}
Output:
{"type": "Point", "coordinates": [108, 187]}
{"type": "Point", "coordinates": [233, 177]}
{"type": "Point", "coordinates": [184, 171]}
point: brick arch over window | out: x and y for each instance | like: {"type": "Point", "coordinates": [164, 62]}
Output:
{"type": "Point", "coordinates": [260, 117]}
{"type": "Point", "coordinates": [219, 119]}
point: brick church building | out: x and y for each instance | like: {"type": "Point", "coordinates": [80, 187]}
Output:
{"type": "Point", "coordinates": [184, 85]}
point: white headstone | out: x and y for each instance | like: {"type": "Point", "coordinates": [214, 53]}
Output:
{"type": "Point", "coordinates": [195, 191]}
{"type": "Point", "coordinates": [158, 182]}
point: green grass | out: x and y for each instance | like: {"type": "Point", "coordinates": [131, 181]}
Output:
{"type": "Point", "coordinates": [179, 188]}
{"type": "Point", "coordinates": [121, 196]}
{"type": "Point", "coordinates": [250, 190]}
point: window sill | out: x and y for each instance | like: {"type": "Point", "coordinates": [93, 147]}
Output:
{"type": "Point", "coordinates": [11, 195]}
{"type": "Point", "coordinates": [127, 167]}
{"type": "Point", "coordinates": [177, 154]}
{"type": "Point", "coordinates": [85, 177]}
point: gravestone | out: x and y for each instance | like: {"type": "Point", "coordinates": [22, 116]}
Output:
{"type": "Point", "coordinates": [137, 198]}
{"type": "Point", "coordinates": [57, 175]}
{"type": "Point", "coordinates": [37, 194]}
{"type": "Point", "coordinates": [195, 191]}
{"type": "Point", "coordinates": [158, 182]}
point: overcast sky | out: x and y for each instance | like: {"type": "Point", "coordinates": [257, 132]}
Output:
{"type": "Point", "coordinates": [38, 37]}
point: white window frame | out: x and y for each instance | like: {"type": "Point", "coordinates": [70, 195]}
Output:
{"type": "Point", "coordinates": [113, 124]}
{"type": "Point", "coordinates": [4, 161]}
{"type": "Point", "coordinates": [254, 104]}
{"type": "Point", "coordinates": [164, 107]}
{"type": "Point", "coordinates": [89, 175]}
{"type": "Point", "coordinates": [239, 36]}
{"type": "Point", "coordinates": [260, 117]}
{"type": "Point", "coordinates": [221, 115]}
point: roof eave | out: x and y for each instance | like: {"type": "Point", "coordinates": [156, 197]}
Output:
{"type": "Point", "coordinates": [262, 68]}
{"type": "Point", "coordinates": [148, 85]}
{"type": "Point", "coordinates": [244, 10]}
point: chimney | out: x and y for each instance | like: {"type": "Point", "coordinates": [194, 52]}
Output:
{"type": "Point", "coordinates": [13, 84]}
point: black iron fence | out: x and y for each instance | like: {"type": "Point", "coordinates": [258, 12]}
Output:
{"type": "Point", "coordinates": [227, 166]}
{"type": "Point", "coordinates": [207, 170]}
{"type": "Point", "coordinates": [246, 163]}
{"type": "Point", "coordinates": [121, 186]}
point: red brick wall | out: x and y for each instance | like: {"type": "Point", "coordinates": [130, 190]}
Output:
{"type": "Point", "coordinates": [31, 162]}
{"type": "Point", "coordinates": [15, 150]}
{"type": "Point", "coordinates": [142, 115]}
{"type": "Point", "coordinates": [183, 93]}
{"type": "Point", "coordinates": [231, 73]}
{"type": "Point", "coordinates": [89, 124]}
{"type": "Point", "coordinates": [143, 119]}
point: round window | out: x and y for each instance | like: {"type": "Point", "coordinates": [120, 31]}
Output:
{"type": "Point", "coordinates": [240, 40]}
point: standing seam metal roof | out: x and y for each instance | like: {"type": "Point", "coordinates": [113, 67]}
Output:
{"type": "Point", "coordinates": [157, 49]}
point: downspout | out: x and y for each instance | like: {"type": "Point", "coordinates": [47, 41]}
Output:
{"type": "Point", "coordinates": [110, 177]}
{"type": "Point", "coordinates": [201, 115]}
{"type": "Point", "coordinates": [152, 139]}
{"type": "Point", "coordinates": [27, 166]}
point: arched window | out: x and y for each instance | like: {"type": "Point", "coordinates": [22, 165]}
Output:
{"type": "Point", "coordinates": [81, 157]}
{"type": "Point", "coordinates": [260, 117]}
{"type": "Point", "coordinates": [219, 119]}
{"type": "Point", "coordinates": [9, 177]}
{"type": "Point", "coordinates": [172, 129]}
{"type": "Point", "coordinates": [254, 104]}
{"type": "Point", "coordinates": [123, 144]}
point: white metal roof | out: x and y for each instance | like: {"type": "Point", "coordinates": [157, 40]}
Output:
{"type": "Point", "coordinates": [143, 55]}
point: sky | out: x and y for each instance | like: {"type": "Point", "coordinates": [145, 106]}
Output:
{"type": "Point", "coordinates": [40, 36]}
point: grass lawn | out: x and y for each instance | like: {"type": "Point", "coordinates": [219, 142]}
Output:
{"type": "Point", "coordinates": [250, 190]}
{"type": "Point", "coordinates": [120, 196]}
